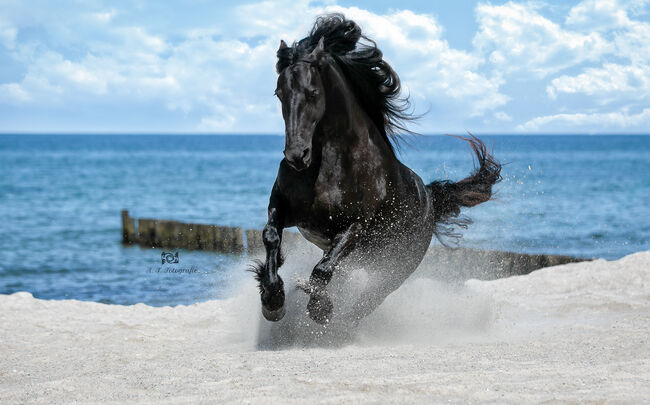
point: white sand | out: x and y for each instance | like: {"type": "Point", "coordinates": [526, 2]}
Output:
{"type": "Point", "coordinates": [572, 333]}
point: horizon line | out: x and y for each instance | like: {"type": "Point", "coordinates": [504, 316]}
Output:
{"type": "Point", "coordinates": [446, 133]}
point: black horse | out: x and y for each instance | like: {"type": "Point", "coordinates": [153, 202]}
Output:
{"type": "Point", "coordinates": [340, 182]}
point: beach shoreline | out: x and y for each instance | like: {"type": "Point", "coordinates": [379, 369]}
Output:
{"type": "Point", "coordinates": [571, 333]}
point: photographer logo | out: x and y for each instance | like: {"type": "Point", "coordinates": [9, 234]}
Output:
{"type": "Point", "coordinates": [168, 257]}
{"type": "Point", "coordinates": [172, 258]}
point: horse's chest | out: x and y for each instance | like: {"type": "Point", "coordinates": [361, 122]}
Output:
{"type": "Point", "coordinates": [349, 183]}
{"type": "Point", "coordinates": [340, 194]}
{"type": "Point", "coordinates": [331, 188]}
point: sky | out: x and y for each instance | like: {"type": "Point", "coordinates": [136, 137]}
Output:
{"type": "Point", "coordinates": [200, 66]}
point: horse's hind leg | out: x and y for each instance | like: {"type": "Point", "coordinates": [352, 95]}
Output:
{"type": "Point", "coordinates": [320, 305]}
{"type": "Point", "coordinates": [373, 298]}
{"type": "Point", "coordinates": [392, 260]}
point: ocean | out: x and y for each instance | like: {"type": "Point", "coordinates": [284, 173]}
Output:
{"type": "Point", "coordinates": [61, 197]}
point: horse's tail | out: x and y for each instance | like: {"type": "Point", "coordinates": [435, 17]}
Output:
{"type": "Point", "coordinates": [449, 197]}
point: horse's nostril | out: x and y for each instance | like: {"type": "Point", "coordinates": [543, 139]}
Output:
{"type": "Point", "coordinates": [298, 159]}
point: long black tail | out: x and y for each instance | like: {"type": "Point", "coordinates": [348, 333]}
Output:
{"type": "Point", "coordinates": [449, 197]}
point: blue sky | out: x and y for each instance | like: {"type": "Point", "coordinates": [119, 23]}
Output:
{"type": "Point", "coordinates": [202, 66]}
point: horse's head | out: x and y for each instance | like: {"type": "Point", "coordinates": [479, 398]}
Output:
{"type": "Point", "coordinates": [300, 89]}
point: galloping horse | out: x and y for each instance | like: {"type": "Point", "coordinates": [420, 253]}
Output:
{"type": "Point", "coordinates": [340, 182]}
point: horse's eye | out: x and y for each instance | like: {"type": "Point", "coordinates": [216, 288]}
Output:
{"type": "Point", "coordinates": [313, 93]}
{"type": "Point", "coordinates": [277, 93]}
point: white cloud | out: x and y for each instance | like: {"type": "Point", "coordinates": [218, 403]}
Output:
{"type": "Point", "coordinates": [279, 19]}
{"type": "Point", "coordinates": [7, 35]}
{"type": "Point", "coordinates": [217, 77]}
{"type": "Point", "coordinates": [138, 38]}
{"type": "Point", "coordinates": [502, 116]}
{"type": "Point", "coordinates": [615, 18]}
{"type": "Point", "coordinates": [518, 38]}
{"type": "Point", "coordinates": [625, 82]}
{"type": "Point", "coordinates": [103, 16]}
{"type": "Point", "coordinates": [633, 42]}
{"type": "Point", "coordinates": [580, 121]}
{"type": "Point", "coordinates": [610, 81]}
{"type": "Point", "coordinates": [12, 93]}
{"type": "Point", "coordinates": [600, 15]}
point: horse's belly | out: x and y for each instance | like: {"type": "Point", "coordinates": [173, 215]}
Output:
{"type": "Point", "coordinates": [316, 238]}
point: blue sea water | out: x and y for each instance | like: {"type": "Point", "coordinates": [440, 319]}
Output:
{"type": "Point", "coordinates": [61, 197]}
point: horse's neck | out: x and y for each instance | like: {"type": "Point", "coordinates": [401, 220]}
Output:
{"type": "Point", "coordinates": [345, 123]}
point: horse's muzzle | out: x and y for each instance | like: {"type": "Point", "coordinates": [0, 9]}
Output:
{"type": "Point", "coordinates": [298, 160]}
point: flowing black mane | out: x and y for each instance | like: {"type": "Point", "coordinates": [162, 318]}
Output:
{"type": "Point", "coordinates": [373, 81]}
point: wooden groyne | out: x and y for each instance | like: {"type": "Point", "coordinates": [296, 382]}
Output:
{"type": "Point", "coordinates": [440, 262]}
{"type": "Point", "coordinates": [162, 233]}
{"type": "Point", "coordinates": [463, 263]}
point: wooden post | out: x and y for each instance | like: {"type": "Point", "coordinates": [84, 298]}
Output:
{"type": "Point", "coordinates": [237, 240]}
{"type": "Point", "coordinates": [217, 238]}
{"type": "Point", "coordinates": [254, 242]}
{"type": "Point", "coordinates": [163, 234]}
{"type": "Point", "coordinates": [190, 237]}
{"type": "Point", "coordinates": [128, 228]}
{"type": "Point", "coordinates": [146, 232]}
{"type": "Point", "coordinates": [205, 237]}
{"type": "Point", "coordinates": [228, 239]}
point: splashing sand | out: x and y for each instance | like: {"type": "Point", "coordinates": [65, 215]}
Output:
{"type": "Point", "coordinates": [422, 310]}
{"type": "Point", "coordinates": [577, 332]}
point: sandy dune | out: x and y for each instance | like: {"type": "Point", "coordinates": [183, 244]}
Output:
{"type": "Point", "coordinates": [571, 333]}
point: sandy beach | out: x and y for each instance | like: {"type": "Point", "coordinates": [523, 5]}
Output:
{"type": "Point", "coordinates": [572, 333]}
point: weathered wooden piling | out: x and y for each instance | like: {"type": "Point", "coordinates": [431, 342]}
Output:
{"type": "Point", "coordinates": [159, 233]}
{"type": "Point", "coordinates": [189, 237]}
{"type": "Point", "coordinates": [147, 232]}
{"type": "Point", "coordinates": [165, 234]}
{"type": "Point", "coordinates": [129, 236]}
{"type": "Point", "coordinates": [463, 263]}
{"type": "Point", "coordinates": [254, 242]}
{"type": "Point", "coordinates": [229, 239]}
{"type": "Point", "coordinates": [206, 237]}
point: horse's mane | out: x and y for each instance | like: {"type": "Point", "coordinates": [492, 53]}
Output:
{"type": "Point", "coordinates": [374, 83]}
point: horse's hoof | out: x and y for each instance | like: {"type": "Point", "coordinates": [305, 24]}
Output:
{"type": "Point", "coordinates": [273, 315]}
{"type": "Point", "coordinates": [273, 301]}
{"type": "Point", "coordinates": [320, 309]}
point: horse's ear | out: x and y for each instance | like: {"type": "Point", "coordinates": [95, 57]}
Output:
{"type": "Point", "coordinates": [317, 54]}
{"type": "Point", "coordinates": [284, 55]}
{"type": "Point", "coordinates": [320, 48]}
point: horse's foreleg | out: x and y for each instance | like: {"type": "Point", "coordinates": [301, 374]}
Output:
{"type": "Point", "coordinates": [271, 284]}
{"type": "Point", "coordinates": [320, 306]}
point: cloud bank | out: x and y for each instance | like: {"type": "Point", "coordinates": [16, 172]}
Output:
{"type": "Point", "coordinates": [147, 67]}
